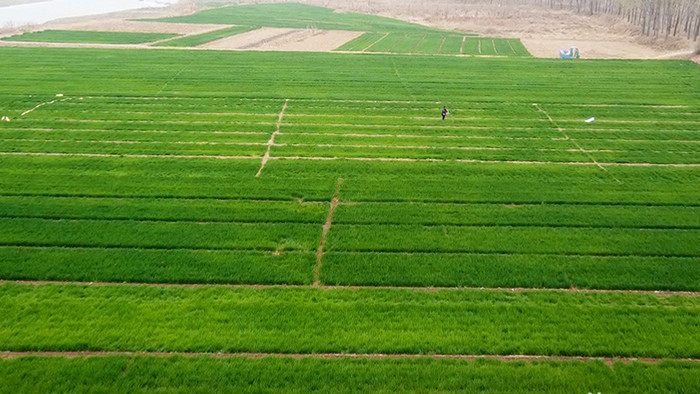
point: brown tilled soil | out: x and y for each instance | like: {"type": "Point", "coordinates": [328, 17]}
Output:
{"type": "Point", "coordinates": [610, 361]}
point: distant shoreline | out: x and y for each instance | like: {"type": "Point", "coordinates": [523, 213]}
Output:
{"type": "Point", "coordinates": [18, 13]}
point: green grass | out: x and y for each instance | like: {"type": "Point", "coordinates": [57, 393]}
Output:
{"type": "Point", "coordinates": [297, 16]}
{"type": "Point", "coordinates": [362, 42]}
{"type": "Point", "coordinates": [69, 317]}
{"type": "Point", "coordinates": [90, 37]}
{"type": "Point", "coordinates": [199, 39]}
{"type": "Point", "coordinates": [180, 374]}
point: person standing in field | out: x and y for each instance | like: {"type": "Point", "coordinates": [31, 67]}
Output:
{"type": "Point", "coordinates": [445, 112]}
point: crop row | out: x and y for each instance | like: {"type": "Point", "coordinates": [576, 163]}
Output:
{"type": "Point", "coordinates": [99, 264]}
{"type": "Point", "coordinates": [296, 16]}
{"type": "Point", "coordinates": [391, 77]}
{"type": "Point", "coordinates": [650, 141]}
{"type": "Point", "coordinates": [127, 374]}
{"type": "Point", "coordinates": [370, 237]}
{"type": "Point", "coordinates": [364, 181]}
{"type": "Point", "coordinates": [361, 42]}
{"type": "Point", "coordinates": [490, 239]}
{"type": "Point", "coordinates": [68, 317]}
{"type": "Point", "coordinates": [96, 37]}
{"type": "Point", "coordinates": [256, 150]}
{"type": "Point", "coordinates": [434, 43]}
{"type": "Point", "coordinates": [512, 138]}
{"type": "Point", "coordinates": [351, 212]}
{"type": "Point", "coordinates": [162, 235]}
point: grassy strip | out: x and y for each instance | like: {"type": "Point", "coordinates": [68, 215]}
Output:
{"type": "Point", "coordinates": [166, 235]}
{"type": "Point", "coordinates": [71, 317]}
{"type": "Point", "coordinates": [364, 181]}
{"type": "Point", "coordinates": [361, 42]}
{"type": "Point", "coordinates": [387, 43]}
{"type": "Point", "coordinates": [142, 136]}
{"type": "Point", "coordinates": [199, 39]}
{"type": "Point", "coordinates": [452, 45]}
{"type": "Point", "coordinates": [164, 209]}
{"type": "Point", "coordinates": [494, 270]}
{"type": "Point", "coordinates": [429, 44]}
{"type": "Point", "coordinates": [485, 153]}
{"type": "Point", "coordinates": [298, 16]}
{"type": "Point", "coordinates": [156, 266]}
{"type": "Point", "coordinates": [519, 215]}
{"type": "Point", "coordinates": [415, 78]}
{"type": "Point", "coordinates": [486, 239]}
{"type": "Point", "coordinates": [123, 374]}
{"type": "Point", "coordinates": [132, 148]}
{"type": "Point", "coordinates": [91, 37]}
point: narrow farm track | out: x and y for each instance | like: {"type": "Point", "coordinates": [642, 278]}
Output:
{"type": "Point", "coordinates": [7, 355]}
{"type": "Point", "coordinates": [326, 228]}
{"type": "Point", "coordinates": [341, 203]}
{"type": "Point", "coordinates": [350, 158]}
{"type": "Point", "coordinates": [339, 145]}
{"type": "Point", "coordinates": [660, 293]}
{"type": "Point", "coordinates": [271, 141]}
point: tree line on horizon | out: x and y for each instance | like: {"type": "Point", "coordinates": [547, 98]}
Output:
{"type": "Point", "coordinates": [666, 18]}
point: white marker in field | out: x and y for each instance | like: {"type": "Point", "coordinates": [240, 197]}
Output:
{"type": "Point", "coordinates": [590, 120]}
{"type": "Point", "coordinates": [5, 119]}
{"type": "Point", "coordinates": [59, 95]}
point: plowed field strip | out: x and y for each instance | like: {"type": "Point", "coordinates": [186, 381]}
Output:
{"type": "Point", "coordinates": [6, 355]}
{"type": "Point", "coordinates": [378, 159]}
{"type": "Point", "coordinates": [661, 293]}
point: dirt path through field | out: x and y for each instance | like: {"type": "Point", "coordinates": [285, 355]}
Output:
{"type": "Point", "coordinates": [659, 293]}
{"type": "Point", "coordinates": [351, 158]}
{"type": "Point", "coordinates": [326, 228]}
{"type": "Point", "coordinates": [610, 361]}
{"type": "Point", "coordinates": [271, 141]}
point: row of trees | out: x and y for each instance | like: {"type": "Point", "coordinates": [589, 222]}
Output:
{"type": "Point", "coordinates": [654, 17]}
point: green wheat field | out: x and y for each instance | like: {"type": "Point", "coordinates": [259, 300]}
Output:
{"type": "Point", "coordinates": [275, 221]}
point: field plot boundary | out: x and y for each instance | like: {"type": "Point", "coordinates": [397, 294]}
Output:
{"type": "Point", "coordinates": [271, 141]}
{"type": "Point", "coordinates": [7, 355]}
{"type": "Point", "coordinates": [326, 228]}
{"type": "Point", "coordinates": [659, 293]}
{"type": "Point", "coordinates": [369, 159]}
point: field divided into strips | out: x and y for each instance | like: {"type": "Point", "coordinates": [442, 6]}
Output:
{"type": "Point", "coordinates": [435, 43]}
{"type": "Point", "coordinates": [149, 178]}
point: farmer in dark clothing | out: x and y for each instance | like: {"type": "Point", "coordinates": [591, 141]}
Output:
{"type": "Point", "coordinates": [444, 112]}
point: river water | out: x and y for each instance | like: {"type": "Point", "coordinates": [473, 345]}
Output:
{"type": "Point", "coordinates": [37, 13]}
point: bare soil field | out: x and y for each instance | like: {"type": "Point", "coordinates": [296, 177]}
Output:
{"type": "Point", "coordinates": [285, 39]}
